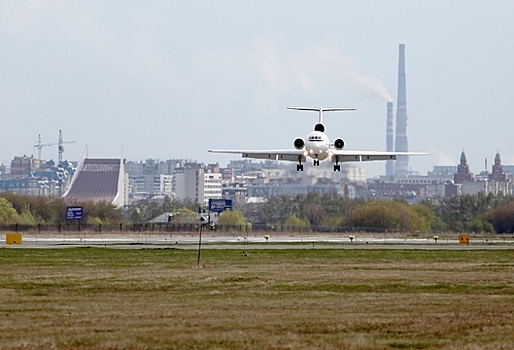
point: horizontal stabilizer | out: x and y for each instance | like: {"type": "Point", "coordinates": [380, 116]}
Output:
{"type": "Point", "coordinates": [322, 109]}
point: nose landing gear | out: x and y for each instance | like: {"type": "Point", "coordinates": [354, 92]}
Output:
{"type": "Point", "coordinates": [316, 160]}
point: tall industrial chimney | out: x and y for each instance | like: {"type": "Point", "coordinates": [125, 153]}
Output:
{"type": "Point", "coordinates": [390, 139]}
{"type": "Point", "coordinates": [401, 142]}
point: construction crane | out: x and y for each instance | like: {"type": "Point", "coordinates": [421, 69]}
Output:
{"type": "Point", "coordinates": [40, 145]}
{"type": "Point", "coordinates": [60, 147]}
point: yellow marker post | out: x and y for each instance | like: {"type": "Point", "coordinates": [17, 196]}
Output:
{"type": "Point", "coordinates": [13, 238]}
{"type": "Point", "coordinates": [464, 239]}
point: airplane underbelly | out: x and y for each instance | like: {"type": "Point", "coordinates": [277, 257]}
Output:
{"type": "Point", "coordinates": [320, 156]}
{"type": "Point", "coordinates": [317, 152]}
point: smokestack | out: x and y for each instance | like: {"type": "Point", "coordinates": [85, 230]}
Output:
{"type": "Point", "coordinates": [401, 142]}
{"type": "Point", "coordinates": [390, 139]}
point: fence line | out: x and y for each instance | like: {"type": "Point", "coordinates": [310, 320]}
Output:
{"type": "Point", "coordinates": [188, 228]}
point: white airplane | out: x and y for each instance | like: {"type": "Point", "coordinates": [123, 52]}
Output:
{"type": "Point", "coordinates": [317, 146]}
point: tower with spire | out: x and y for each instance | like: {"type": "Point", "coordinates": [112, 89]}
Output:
{"type": "Point", "coordinates": [498, 174]}
{"type": "Point", "coordinates": [463, 173]}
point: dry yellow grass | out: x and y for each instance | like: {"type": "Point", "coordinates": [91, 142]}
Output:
{"type": "Point", "coordinates": [92, 298]}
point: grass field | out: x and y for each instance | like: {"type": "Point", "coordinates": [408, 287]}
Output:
{"type": "Point", "coordinates": [95, 298]}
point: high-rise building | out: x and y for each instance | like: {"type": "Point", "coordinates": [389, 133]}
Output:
{"type": "Point", "coordinates": [189, 181]}
{"type": "Point", "coordinates": [212, 186]}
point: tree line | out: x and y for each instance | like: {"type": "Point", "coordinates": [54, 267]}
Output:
{"type": "Point", "coordinates": [466, 213]}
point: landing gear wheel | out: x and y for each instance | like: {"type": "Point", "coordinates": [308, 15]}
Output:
{"type": "Point", "coordinates": [299, 167]}
{"type": "Point", "coordinates": [337, 167]}
{"type": "Point", "coordinates": [316, 162]}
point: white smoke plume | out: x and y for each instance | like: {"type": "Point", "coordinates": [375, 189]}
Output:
{"type": "Point", "coordinates": [370, 84]}
{"type": "Point", "coordinates": [311, 69]}
{"type": "Point", "coordinates": [443, 158]}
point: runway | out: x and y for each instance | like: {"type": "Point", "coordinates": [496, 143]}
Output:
{"type": "Point", "coordinates": [320, 241]}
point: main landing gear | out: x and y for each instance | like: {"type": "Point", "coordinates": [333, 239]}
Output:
{"type": "Point", "coordinates": [299, 167]}
{"type": "Point", "coordinates": [337, 166]}
{"type": "Point", "coordinates": [316, 161]}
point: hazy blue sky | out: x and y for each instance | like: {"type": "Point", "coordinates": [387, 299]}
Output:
{"type": "Point", "coordinates": [171, 79]}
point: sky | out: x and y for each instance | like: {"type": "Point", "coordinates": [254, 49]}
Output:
{"type": "Point", "coordinates": [172, 79]}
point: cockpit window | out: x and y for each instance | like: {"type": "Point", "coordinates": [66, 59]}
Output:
{"type": "Point", "coordinates": [315, 138]}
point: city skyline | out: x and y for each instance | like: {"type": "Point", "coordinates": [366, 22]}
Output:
{"type": "Point", "coordinates": [487, 165]}
{"type": "Point", "coordinates": [171, 80]}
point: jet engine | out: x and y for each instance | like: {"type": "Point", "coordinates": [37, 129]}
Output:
{"type": "Point", "coordinates": [338, 143]}
{"type": "Point", "coordinates": [299, 143]}
{"type": "Point", "coordinates": [319, 127]}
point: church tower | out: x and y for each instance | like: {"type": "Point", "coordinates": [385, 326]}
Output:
{"type": "Point", "coordinates": [463, 173]}
{"type": "Point", "coordinates": [498, 174]}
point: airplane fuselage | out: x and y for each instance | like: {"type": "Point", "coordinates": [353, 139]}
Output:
{"type": "Point", "coordinates": [317, 145]}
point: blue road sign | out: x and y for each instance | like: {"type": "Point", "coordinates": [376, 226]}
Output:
{"type": "Point", "coordinates": [219, 205]}
{"type": "Point", "coordinates": [73, 213]}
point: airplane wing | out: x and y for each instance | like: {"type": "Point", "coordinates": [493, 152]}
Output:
{"type": "Point", "coordinates": [365, 156]}
{"type": "Point", "coordinates": [293, 155]}
{"type": "Point", "coordinates": [337, 155]}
